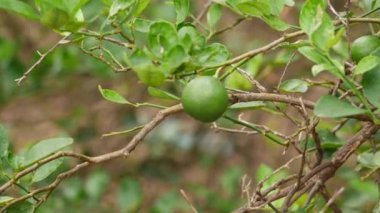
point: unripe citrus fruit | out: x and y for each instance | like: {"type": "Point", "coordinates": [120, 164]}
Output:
{"type": "Point", "coordinates": [364, 46]}
{"type": "Point", "coordinates": [205, 99]}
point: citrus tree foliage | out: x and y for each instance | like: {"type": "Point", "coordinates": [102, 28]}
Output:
{"type": "Point", "coordinates": [169, 52]}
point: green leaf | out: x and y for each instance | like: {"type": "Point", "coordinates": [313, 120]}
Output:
{"type": "Point", "coordinates": [46, 170]}
{"type": "Point", "coordinates": [376, 159]}
{"type": "Point", "coordinates": [119, 6]}
{"type": "Point", "coordinates": [142, 25]}
{"type": "Point", "coordinates": [140, 6]}
{"type": "Point", "coordinates": [275, 22]}
{"type": "Point", "coordinates": [175, 57]}
{"type": "Point", "coordinates": [150, 75]}
{"type": "Point", "coordinates": [318, 68]}
{"type": "Point", "coordinates": [182, 8]}
{"type": "Point", "coordinates": [23, 206]}
{"type": "Point", "coordinates": [277, 6]}
{"type": "Point", "coordinates": [190, 38]}
{"type": "Point", "coordinates": [96, 184]}
{"type": "Point", "coordinates": [5, 199]}
{"type": "Point", "coordinates": [332, 107]}
{"type": "Point", "coordinates": [62, 15]}
{"type": "Point", "coordinates": [4, 142]}
{"type": "Point", "coordinates": [308, 15]}
{"type": "Point", "coordinates": [264, 171]}
{"type": "Point", "coordinates": [237, 81]}
{"type": "Point", "coordinates": [366, 64]}
{"type": "Point", "coordinates": [323, 36]}
{"type": "Point", "coordinates": [19, 7]}
{"type": "Point", "coordinates": [371, 86]}
{"type": "Point", "coordinates": [294, 85]}
{"type": "Point", "coordinates": [112, 96]}
{"type": "Point", "coordinates": [45, 148]}
{"type": "Point", "coordinates": [313, 55]}
{"type": "Point", "coordinates": [158, 93]}
{"type": "Point", "coordinates": [247, 105]}
{"type": "Point", "coordinates": [129, 195]}
{"type": "Point", "coordinates": [212, 55]}
{"type": "Point", "coordinates": [254, 8]}
{"type": "Point", "coordinates": [214, 14]}
{"type": "Point", "coordinates": [162, 36]}
{"type": "Point", "coordinates": [366, 160]}
{"type": "Point", "coordinates": [138, 58]}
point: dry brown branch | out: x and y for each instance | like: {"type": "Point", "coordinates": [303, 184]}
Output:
{"type": "Point", "coordinates": [324, 171]}
{"type": "Point", "coordinates": [160, 116]}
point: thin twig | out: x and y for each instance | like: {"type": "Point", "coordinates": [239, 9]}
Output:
{"type": "Point", "coordinates": [184, 195]}
{"type": "Point", "coordinates": [333, 198]}
{"type": "Point", "coordinates": [42, 57]}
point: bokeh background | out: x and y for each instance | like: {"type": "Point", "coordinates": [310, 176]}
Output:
{"type": "Point", "coordinates": [61, 98]}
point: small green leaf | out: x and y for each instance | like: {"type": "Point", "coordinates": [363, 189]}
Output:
{"type": "Point", "coordinates": [313, 55]}
{"type": "Point", "coordinates": [119, 6]}
{"type": "Point", "coordinates": [112, 96]}
{"type": "Point", "coordinates": [254, 8]}
{"type": "Point", "coordinates": [140, 6]}
{"type": "Point", "coordinates": [332, 107]}
{"type": "Point", "coordinates": [19, 7]}
{"type": "Point", "coordinates": [376, 159]}
{"type": "Point", "coordinates": [162, 36]}
{"type": "Point", "coordinates": [190, 38]}
{"type": "Point", "coordinates": [308, 15]}
{"type": "Point", "coordinates": [129, 195]}
{"type": "Point", "coordinates": [318, 68]}
{"type": "Point", "coordinates": [323, 35]}
{"type": "Point", "coordinates": [262, 172]}
{"type": "Point", "coordinates": [46, 170]}
{"type": "Point", "coordinates": [175, 57]}
{"type": "Point", "coordinates": [371, 86]}
{"type": "Point", "coordinates": [142, 25]}
{"type": "Point", "coordinates": [4, 142]}
{"type": "Point", "coordinates": [247, 105]}
{"type": "Point", "coordinates": [45, 148]}
{"type": "Point", "coordinates": [23, 206]}
{"type": "Point", "coordinates": [294, 85]}
{"type": "Point", "coordinates": [150, 75]}
{"type": "Point", "coordinates": [5, 199]}
{"type": "Point", "coordinates": [275, 22]}
{"type": "Point", "coordinates": [158, 93]}
{"type": "Point", "coordinates": [237, 81]}
{"type": "Point", "coordinates": [366, 64]}
{"type": "Point", "coordinates": [182, 8]}
{"type": "Point", "coordinates": [212, 55]}
{"type": "Point", "coordinates": [96, 184]}
{"type": "Point", "coordinates": [277, 6]}
{"type": "Point", "coordinates": [366, 160]}
{"type": "Point", "coordinates": [214, 14]}
{"type": "Point", "coordinates": [138, 58]}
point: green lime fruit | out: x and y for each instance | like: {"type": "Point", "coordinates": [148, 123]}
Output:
{"type": "Point", "coordinates": [205, 99]}
{"type": "Point", "coordinates": [364, 46]}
